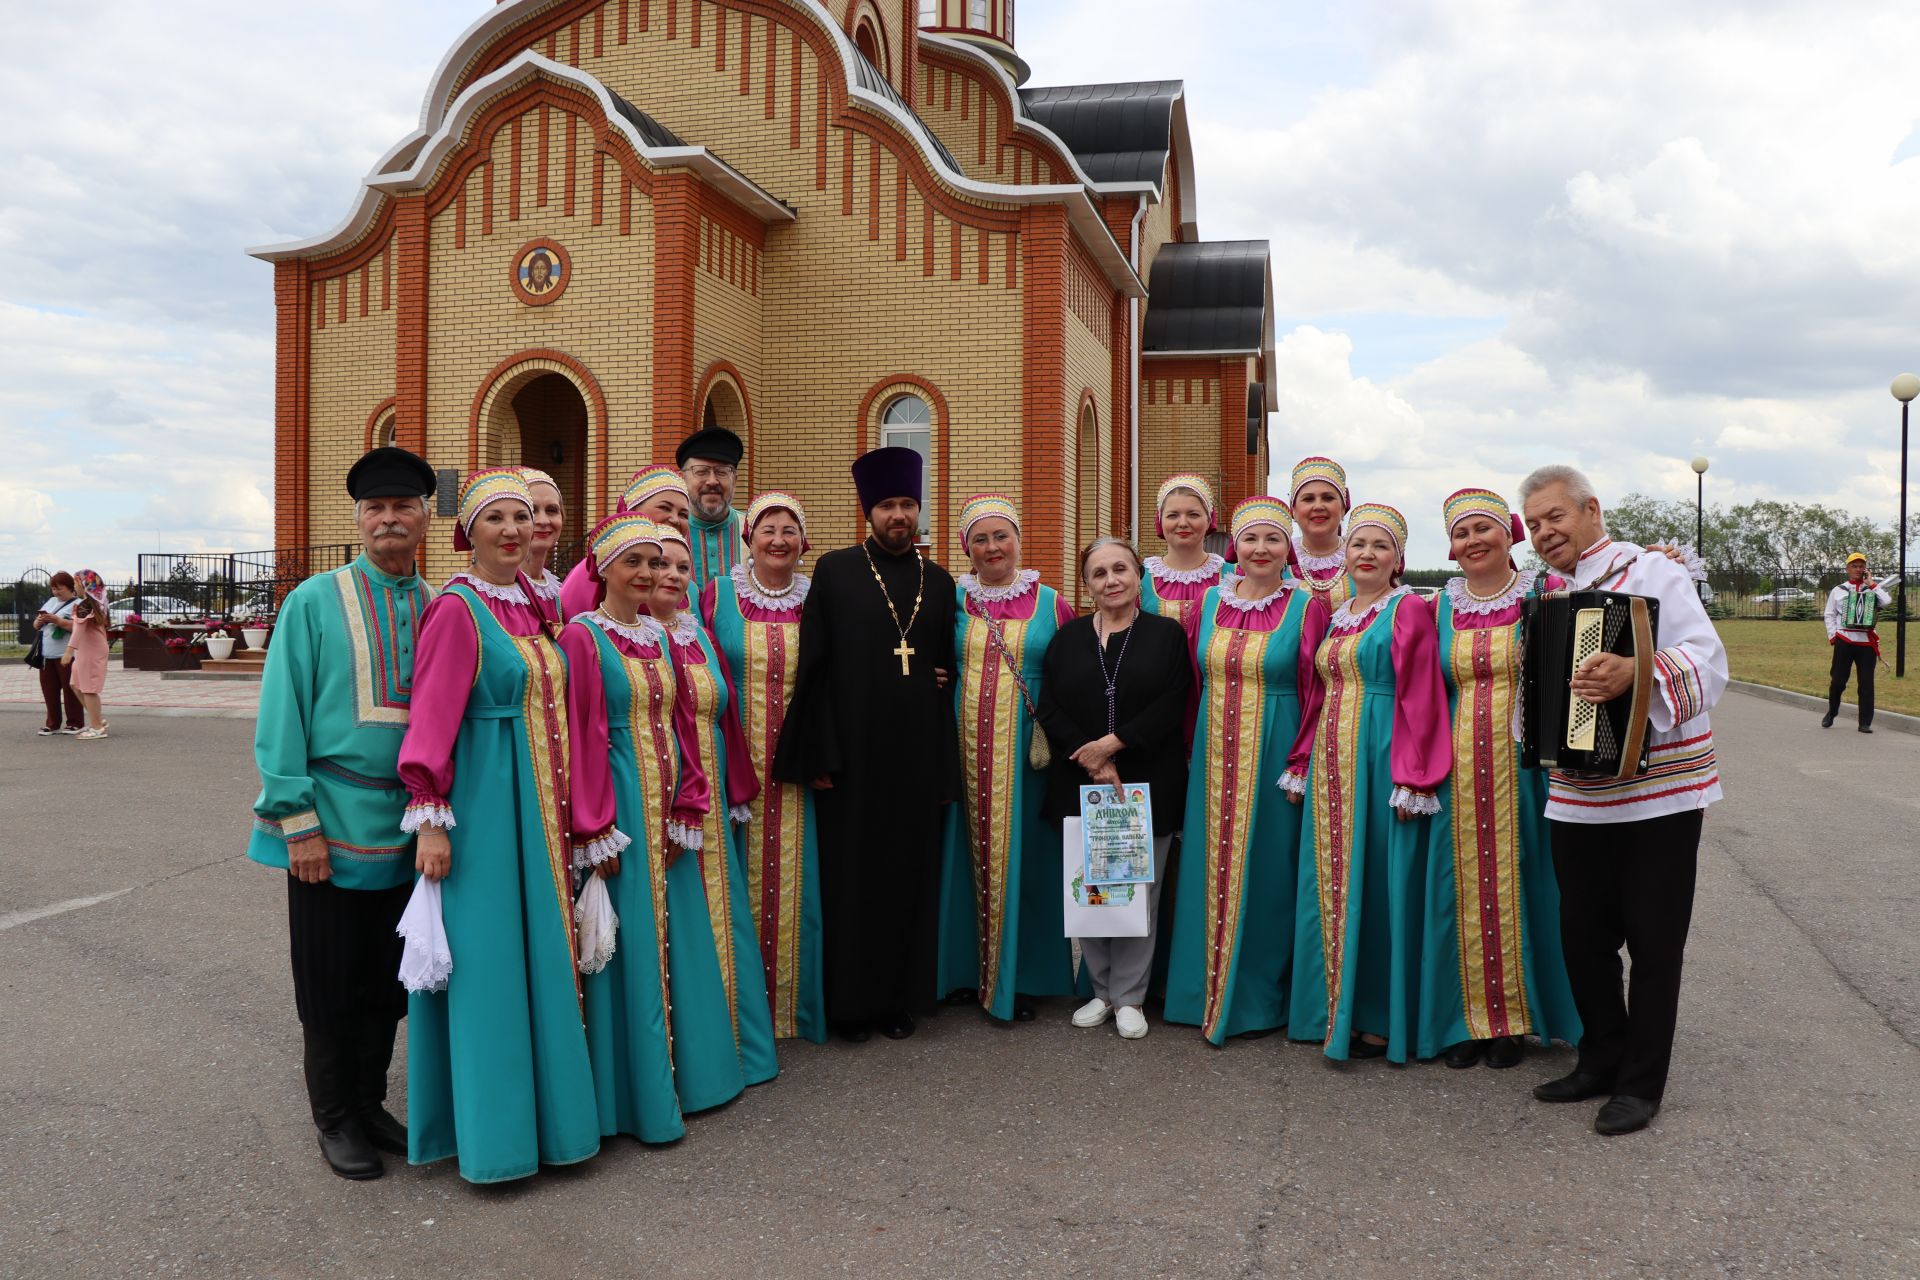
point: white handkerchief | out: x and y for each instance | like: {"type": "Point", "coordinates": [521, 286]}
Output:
{"type": "Point", "coordinates": [593, 914]}
{"type": "Point", "coordinates": [425, 962]}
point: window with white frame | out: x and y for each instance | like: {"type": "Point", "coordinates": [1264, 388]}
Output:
{"type": "Point", "coordinates": [907, 423]}
{"type": "Point", "coordinates": [977, 14]}
{"type": "Point", "coordinates": [929, 13]}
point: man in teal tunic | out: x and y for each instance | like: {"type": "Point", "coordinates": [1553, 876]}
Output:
{"type": "Point", "coordinates": [333, 709]}
{"type": "Point", "coordinates": [709, 462]}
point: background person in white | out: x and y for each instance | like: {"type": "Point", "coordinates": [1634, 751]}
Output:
{"type": "Point", "coordinates": [1851, 610]}
{"type": "Point", "coordinates": [1625, 851]}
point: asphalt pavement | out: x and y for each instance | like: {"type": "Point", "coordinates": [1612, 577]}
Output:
{"type": "Point", "coordinates": [154, 1123]}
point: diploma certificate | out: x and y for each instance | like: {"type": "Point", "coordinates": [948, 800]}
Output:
{"type": "Point", "coordinates": [1116, 834]}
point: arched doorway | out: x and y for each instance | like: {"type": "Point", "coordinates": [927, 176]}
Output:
{"type": "Point", "coordinates": [1087, 475]}
{"type": "Point", "coordinates": [724, 407]}
{"type": "Point", "coordinates": [552, 420]}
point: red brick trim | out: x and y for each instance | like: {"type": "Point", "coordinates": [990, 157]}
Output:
{"type": "Point", "coordinates": [1002, 134]}
{"type": "Point", "coordinates": [520, 290]}
{"type": "Point", "coordinates": [412, 234]}
{"type": "Point", "coordinates": [360, 252]}
{"type": "Point", "coordinates": [1120, 419]}
{"type": "Point", "coordinates": [1043, 252]}
{"type": "Point", "coordinates": [293, 354]}
{"type": "Point", "coordinates": [676, 251]}
{"type": "Point", "coordinates": [589, 387]}
{"type": "Point", "coordinates": [726, 369]}
{"type": "Point", "coordinates": [867, 434]}
{"type": "Point", "coordinates": [1236, 466]}
{"type": "Point", "coordinates": [373, 419]}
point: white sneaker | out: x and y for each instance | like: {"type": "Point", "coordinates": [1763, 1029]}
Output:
{"type": "Point", "coordinates": [89, 735]}
{"type": "Point", "coordinates": [1092, 1013]}
{"type": "Point", "coordinates": [1131, 1022]}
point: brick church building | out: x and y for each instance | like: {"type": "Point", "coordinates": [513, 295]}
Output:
{"type": "Point", "coordinates": [826, 224]}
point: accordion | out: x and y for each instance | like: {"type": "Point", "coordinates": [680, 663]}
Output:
{"type": "Point", "coordinates": [1561, 630]}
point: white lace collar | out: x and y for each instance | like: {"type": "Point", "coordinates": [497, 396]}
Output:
{"type": "Point", "coordinates": [789, 602]}
{"type": "Point", "coordinates": [645, 633]}
{"type": "Point", "coordinates": [1233, 601]}
{"type": "Point", "coordinates": [1310, 563]}
{"type": "Point", "coordinates": [1215, 567]}
{"type": "Point", "coordinates": [548, 587]}
{"type": "Point", "coordinates": [513, 594]}
{"type": "Point", "coordinates": [1345, 619]}
{"type": "Point", "coordinates": [1022, 583]}
{"type": "Point", "coordinates": [683, 630]}
{"type": "Point", "coordinates": [1465, 601]}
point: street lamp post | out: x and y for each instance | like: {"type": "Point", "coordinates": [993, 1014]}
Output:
{"type": "Point", "coordinates": [1905, 388]}
{"type": "Point", "coordinates": [1700, 513]}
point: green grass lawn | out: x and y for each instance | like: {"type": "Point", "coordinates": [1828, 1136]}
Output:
{"type": "Point", "coordinates": [1795, 655]}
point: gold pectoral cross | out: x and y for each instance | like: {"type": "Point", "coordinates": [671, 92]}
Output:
{"type": "Point", "coordinates": [904, 651]}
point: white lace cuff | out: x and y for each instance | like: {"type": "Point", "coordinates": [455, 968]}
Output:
{"type": "Point", "coordinates": [1409, 801]}
{"type": "Point", "coordinates": [741, 813]}
{"type": "Point", "coordinates": [427, 815]}
{"type": "Point", "coordinates": [1292, 783]}
{"type": "Point", "coordinates": [688, 838]}
{"type": "Point", "coordinates": [595, 852]}
{"type": "Point", "coordinates": [1689, 559]}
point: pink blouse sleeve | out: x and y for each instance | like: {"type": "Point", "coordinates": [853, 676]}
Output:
{"type": "Point", "coordinates": [592, 768]}
{"type": "Point", "coordinates": [444, 666]}
{"type": "Point", "coordinates": [577, 592]}
{"type": "Point", "coordinates": [694, 796]}
{"type": "Point", "coordinates": [1422, 753]}
{"type": "Point", "coordinates": [1062, 611]}
{"type": "Point", "coordinates": [1313, 630]}
{"type": "Point", "coordinates": [743, 778]}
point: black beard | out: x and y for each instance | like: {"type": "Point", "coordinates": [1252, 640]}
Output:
{"type": "Point", "coordinates": [895, 542]}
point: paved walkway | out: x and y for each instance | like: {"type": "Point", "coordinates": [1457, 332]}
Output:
{"type": "Point", "coordinates": [154, 1124]}
{"type": "Point", "coordinates": [143, 693]}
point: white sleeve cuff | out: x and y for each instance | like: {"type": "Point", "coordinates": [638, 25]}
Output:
{"type": "Point", "coordinates": [740, 813]}
{"type": "Point", "coordinates": [689, 838]}
{"type": "Point", "coordinates": [606, 848]}
{"type": "Point", "coordinates": [1292, 783]}
{"type": "Point", "coordinates": [427, 815]}
{"type": "Point", "coordinates": [1413, 802]}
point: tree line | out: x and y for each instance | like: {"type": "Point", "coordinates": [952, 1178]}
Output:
{"type": "Point", "coordinates": [1763, 538]}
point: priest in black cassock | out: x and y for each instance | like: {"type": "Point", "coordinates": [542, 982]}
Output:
{"type": "Point", "coordinates": [871, 729]}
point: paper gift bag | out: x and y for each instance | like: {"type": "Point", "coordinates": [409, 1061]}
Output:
{"type": "Point", "coordinates": [1123, 914]}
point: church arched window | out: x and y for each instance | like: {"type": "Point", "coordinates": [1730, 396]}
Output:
{"type": "Point", "coordinates": [907, 422]}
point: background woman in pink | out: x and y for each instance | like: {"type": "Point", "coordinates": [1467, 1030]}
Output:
{"type": "Point", "coordinates": [86, 655]}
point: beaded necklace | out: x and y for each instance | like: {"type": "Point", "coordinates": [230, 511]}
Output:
{"type": "Point", "coordinates": [903, 650]}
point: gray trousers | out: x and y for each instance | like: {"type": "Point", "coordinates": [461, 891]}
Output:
{"type": "Point", "coordinates": [1120, 968]}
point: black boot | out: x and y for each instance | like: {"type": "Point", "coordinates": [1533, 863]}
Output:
{"type": "Point", "coordinates": [373, 1054]}
{"type": "Point", "coordinates": [331, 1092]}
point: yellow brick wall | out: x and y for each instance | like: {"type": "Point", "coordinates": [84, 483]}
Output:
{"type": "Point", "coordinates": [1158, 228]}
{"type": "Point", "coordinates": [728, 321]}
{"type": "Point", "coordinates": [1089, 365]}
{"type": "Point", "coordinates": [352, 372]}
{"type": "Point", "coordinates": [1177, 435]}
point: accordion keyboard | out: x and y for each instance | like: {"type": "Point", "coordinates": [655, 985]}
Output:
{"type": "Point", "coordinates": [1582, 716]}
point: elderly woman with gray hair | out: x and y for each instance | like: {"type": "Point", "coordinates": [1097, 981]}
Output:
{"type": "Point", "coordinates": [1114, 703]}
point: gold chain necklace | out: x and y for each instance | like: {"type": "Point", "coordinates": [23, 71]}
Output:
{"type": "Point", "coordinates": [903, 650]}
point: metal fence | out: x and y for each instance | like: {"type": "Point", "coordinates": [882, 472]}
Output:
{"type": "Point", "coordinates": [1792, 596]}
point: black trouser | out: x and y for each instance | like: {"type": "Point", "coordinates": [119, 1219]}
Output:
{"type": "Point", "coordinates": [346, 984]}
{"type": "Point", "coordinates": [1852, 657]}
{"type": "Point", "coordinates": [1632, 883]}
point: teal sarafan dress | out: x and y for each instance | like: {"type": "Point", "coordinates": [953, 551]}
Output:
{"type": "Point", "coordinates": [1234, 909]}
{"type": "Point", "coordinates": [1002, 919]}
{"type": "Point", "coordinates": [1381, 742]}
{"type": "Point", "coordinates": [1493, 965]}
{"type": "Point", "coordinates": [759, 637]}
{"type": "Point", "coordinates": [717, 779]}
{"type": "Point", "coordinates": [497, 1067]}
{"type": "Point", "coordinates": [659, 1030]}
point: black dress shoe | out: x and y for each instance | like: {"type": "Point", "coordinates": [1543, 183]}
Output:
{"type": "Point", "coordinates": [853, 1032]}
{"type": "Point", "coordinates": [383, 1131]}
{"type": "Point", "coordinates": [1865, 729]}
{"type": "Point", "coordinates": [1826, 721]}
{"type": "Point", "coordinates": [348, 1153]}
{"type": "Point", "coordinates": [1504, 1052]}
{"type": "Point", "coordinates": [1575, 1086]}
{"type": "Point", "coordinates": [1622, 1114]}
{"type": "Point", "coordinates": [1023, 1009]}
{"type": "Point", "coordinates": [966, 995]}
{"type": "Point", "coordinates": [897, 1026]}
{"type": "Point", "coordinates": [1464, 1054]}
{"type": "Point", "coordinates": [1362, 1048]}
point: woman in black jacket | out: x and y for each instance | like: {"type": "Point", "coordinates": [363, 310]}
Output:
{"type": "Point", "coordinates": [1114, 703]}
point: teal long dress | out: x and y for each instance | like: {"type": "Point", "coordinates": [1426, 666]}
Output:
{"type": "Point", "coordinates": [497, 1066]}
{"type": "Point", "coordinates": [658, 1027]}
{"type": "Point", "coordinates": [1234, 912]}
{"type": "Point", "coordinates": [710, 736]}
{"type": "Point", "coordinates": [1382, 725]}
{"type": "Point", "coordinates": [1493, 964]}
{"type": "Point", "coordinates": [1002, 919]}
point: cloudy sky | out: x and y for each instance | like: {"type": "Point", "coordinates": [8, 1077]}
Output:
{"type": "Point", "coordinates": [1504, 231]}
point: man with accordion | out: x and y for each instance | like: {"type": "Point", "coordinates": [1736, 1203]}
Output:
{"type": "Point", "coordinates": [1621, 672]}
